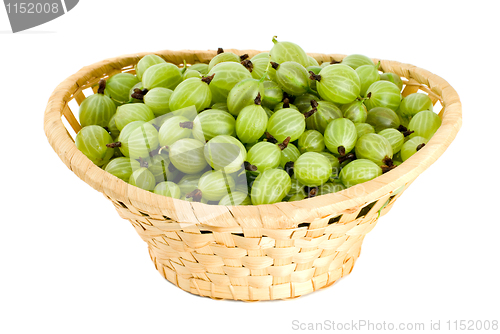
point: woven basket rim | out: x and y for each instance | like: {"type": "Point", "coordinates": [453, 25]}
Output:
{"type": "Point", "coordinates": [249, 216]}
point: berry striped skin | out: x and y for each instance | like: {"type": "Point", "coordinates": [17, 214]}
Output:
{"type": "Point", "coordinates": [356, 60]}
{"type": "Point", "coordinates": [288, 51]}
{"type": "Point", "coordinates": [132, 112]}
{"type": "Point", "coordinates": [312, 61]}
{"type": "Point", "coordinates": [260, 67]}
{"type": "Point", "coordinates": [122, 167]}
{"type": "Point", "coordinates": [223, 57]}
{"type": "Point", "coordinates": [286, 123]}
{"type": "Point", "coordinates": [119, 85]}
{"type": "Point", "coordinates": [251, 123]}
{"type": "Point", "coordinates": [325, 113]}
{"type": "Point", "coordinates": [264, 155]}
{"type": "Point", "coordinates": [261, 55]}
{"type": "Point", "coordinates": [334, 161]}
{"type": "Point", "coordinates": [311, 141]}
{"type": "Point", "coordinates": [340, 132]}
{"type": "Point", "coordinates": [355, 111]}
{"type": "Point", "coordinates": [159, 166]}
{"type": "Point", "coordinates": [367, 74]}
{"type": "Point", "coordinates": [112, 127]}
{"type": "Point", "coordinates": [271, 186]}
{"type": "Point", "coordinates": [200, 67]}
{"type": "Point", "coordinates": [290, 153]}
{"type": "Point", "coordinates": [292, 78]}
{"type": "Point", "coordinates": [142, 140]}
{"type": "Point", "coordinates": [374, 147]}
{"type": "Point", "coordinates": [214, 185]}
{"type": "Point", "coordinates": [97, 109]}
{"type": "Point", "coordinates": [395, 138]}
{"type": "Point", "coordinates": [412, 146]}
{"type": "Point", "coordinates": [146, 62]}
{"type": "Point", "coordinates": [186, 155]}
{"type": "Point", "coordinates": [382, 118]}
{"type": "Point", "coordinates": [225, 153]}
{"type": "Point", "coordinates": [168, 189]}
{"type": "Point", "coordinates": [394, 78]}
{"type": "Point", "coordinates": [236, 198]}
{"type": "Point", "coordinates": [312, 169]}
{"type": "Point", "coordinates": [285, 105]}
{"type": "Point", "coordinates": [243, 94]}
{"type": "Point", "coordinates": [227, 75]}
{"type": "Point", "coordinates": [273, 94]}
{"type": "Point", "coordinates": [212, 123]}
{"type": "Point", "coordinates": [143, 179]}
{"type": "Point", "coordinates": [189, 182]}
{"type": "Point", "coordinates": [303, 102]}
{"type": "Point", "coordinates": [191, 74]}
{"type": "Point", "coordinates": [359, 171]}
{"type": "Point", "coordinates": [171, 131]}
{"type": "Point", "coordinates": [125, 134]}
{"type": "Point", "coordinates": [425, 124]}
{"type": "Point", "coordinates": [157, 99]}
{"type": "Point", "coordinates": [364, 128]}
{"type": "Point", "coordinates": [191, 92]}
{"type": "Point", "coordinates": [164, 75]}
{"type": "Point", "coordinates": [92, 140]}
{"type": "Point", "coordinates": [414, 103]}
{"type": "Point", "coordinates": [383, 94]}
{"type": "Point", "coordinates": [338, 84]}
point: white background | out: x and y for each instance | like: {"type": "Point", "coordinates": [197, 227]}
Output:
{"type": "Point", "coordinates": [69, 264]}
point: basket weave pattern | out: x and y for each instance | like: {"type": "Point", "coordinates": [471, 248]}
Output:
{"type": "Point", "coordinates": [251, 253]}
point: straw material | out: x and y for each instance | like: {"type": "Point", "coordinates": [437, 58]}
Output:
{"type": "Point", "coordinates": [250, 253]}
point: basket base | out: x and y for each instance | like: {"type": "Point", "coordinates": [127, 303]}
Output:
{"type": "Point", "coordinates": [250, 293]}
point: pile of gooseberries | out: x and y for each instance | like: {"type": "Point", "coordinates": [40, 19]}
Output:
{"type": "Point", "coordinates": [247, 131]}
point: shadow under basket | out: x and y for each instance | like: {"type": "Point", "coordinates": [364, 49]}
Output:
{"type": "Point", "coordinates": [250, 253]}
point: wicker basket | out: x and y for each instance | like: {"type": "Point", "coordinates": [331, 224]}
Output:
{"type": "Point", "coordinates": [250, 253]}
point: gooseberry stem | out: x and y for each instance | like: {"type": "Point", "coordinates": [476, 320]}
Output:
{"type": "Point", "coordinates": [341, 150]}
{"type": "Point", "coordinates": [419, 147]}
{"type": "Point", "coordinates": [250, 167]}
{"type": "Point", "coordinates": [139, 94]}
{"type": "Point", "coordinates": [310, 112]}
{"type": "Point", "coordinates": [290, 98]}
{"type": "Point", "coordinates": [113, 145]}
{"type": "Point", "coordinates": [209, 79]}
{"type": "Point", "coordinates": [258, 99]}
{"type": "Point", "coordinates": [196, 195]}
{"type": "Point", "coordinates": [311, 191]}
{"type": "Point", "coordinates": [275, 65]}
{"type": "Point", "coordinates": [243, 57]}
{"type": "Point", "coordinates": [186, 125]}
{"type": "Point", "coordinates": [349, 156]}
{"type": "Point", "coordinates": [270, 138]}
{"type": "Point", "coordinates": [314, 76]}
{"type": "Point", "coordinates": [285, 143]}
{"type": "Point", "coordinates": [264, 76]}
{"type": "Point", "coordinates": [405, 131]}
{"type": "Point", "coordinates": [389, 165]}
{"type": "Point", "coordinates": [286, 103]}
{"type": "Point", "coordinates": [248, 65]}
{"type": "Point", "coordinates": [161, 149]}
{"type": "Point", "coordinates": [275, 40]}
{"type": "Point", "coordinates": [102, 86]}
{"type": "Point", "coordinates": [220, 50]}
